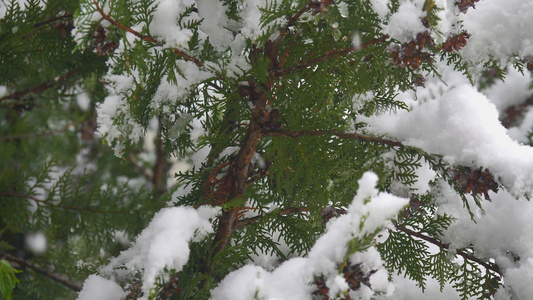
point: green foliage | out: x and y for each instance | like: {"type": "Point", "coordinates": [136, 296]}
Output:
{"type": "Point", "coordinates": [8, 280]}
{"type": "Point", "coordinates": [405, 254]}
{"type": "Point", "coordinates": [281, 132]}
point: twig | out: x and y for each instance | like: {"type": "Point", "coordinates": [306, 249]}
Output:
{"type": "Point", "coordinates": [36, 135]}
{"type": "Point", "coordinates": [328, 55]}
{"type": "Point", "coordinates": [492, 267]}
{"type": "Point", "coordinates": [146, 172]}
{"type": "Point", "coordinates": [37, 89]}
{"type": "Point", "coordinates": [160, 168]}
{"type": "Point", "coordinates": [340, 134]}
{"type": "Point", "coordinates": [65, 16]}
{"type": "Point", "coordinates": [297, 16]}
{"type": "Point", "coordinates": [285, 211]}
{"type": "Point", "coordinates": [40, 202]}
{"type": "Point", "coordinates": [238, 173]}
{"type": "Point", "coordinates": [51, 275]}
{"type": "Point", "coordinates": [147, 38]}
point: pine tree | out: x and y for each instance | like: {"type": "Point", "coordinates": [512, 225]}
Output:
{"type": "Point", "coordinates": [272, 106]}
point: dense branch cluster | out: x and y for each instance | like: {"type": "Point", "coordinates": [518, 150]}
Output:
{"type": "Point", "coordinates": [246, 142]}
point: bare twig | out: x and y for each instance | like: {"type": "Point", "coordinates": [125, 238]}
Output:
{"type": "Point", "coordinates": [56, 277]}
{"type": "Point", "coordinates": [297, 16]}
{"type": "Point", "coordinates": [51, 20]}
{"type": "Point", "coordinates": [160, 168]}
{"type": "Point", "coordinates": [464, 254]}
{"type": "Point", "coordinates": [327, 56]}
{"type": "Point", "coordinates": [285, 211]}
{"type": "Point", "coordinates": [37, 89]}
{"type": "Point", "coordinates": [36, 135]}
{"type": "Point", "coordinates": [47, 203]}
{"type": "Point", "coordinates": [340, 134]}
{"type": "Point", "coordinates": [147, 38]}
{"type": "Point", "coordinates": [135, 161]}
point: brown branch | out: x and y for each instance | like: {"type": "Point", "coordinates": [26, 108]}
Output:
{"type": "Point", "coordinates": [147, 38]}
{"type": "Point", "coordinates": [40, 202]}
{"type": "Point", "coordinates": [297, 16]}
{"type": "Point", "coordinates": [340, 134]}
{"type": "Point", "coordinates": [464, 254]}
{"type": "Point", "coordinates": [56, 277]}
{"type": "Point", "coordinates": [238, 173]}
{"type": "Point", "coordinates": [146, 172]}
{"type": "Point", "coordinates": [285, 211]}
{"type": "Point", "coordinates": [65, 16]}
{"type": "Point", "coordinates": [513, 114]}
{"type": "Point", "coordinates": [328, 55]}
{"type": "Point", "coordinates": [39, 88]}
{"type": "Point", "coordinates": [36, 135]}
{"type": "Point", "coordinates": [159, 179]}
{"type": "Point", "coordinates": [237, 176]}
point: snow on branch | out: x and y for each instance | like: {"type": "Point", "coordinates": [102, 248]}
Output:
{"type": "Point", "coordinates": [369, 211]}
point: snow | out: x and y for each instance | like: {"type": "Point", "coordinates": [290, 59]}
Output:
{"type": "Point", "coordinates": [520, 132]}
{"type": "Point", "coordinates": [498, 30]}
{"type": "Point", "coordinates": [36, 242]}
{"type": "Point", "coordinates": [406, 289]}
{"type": "Point", "coordinates": [164, 244]}
{"type": "Point", "coordinates": [449, 117]}
{"type": "Point", "coordinates": [381, 7]}
{"type": "Point", "coordinates": [83, 100]}
{"type": "Point", "coordinates": [168, 94]}
{"type": "Point", "coordinates": [3, 90]}
{"type": "Point", "coordinates": [521, 278]}
{"type": "Point", "coordinates": [502, 230]}
{"type": "Point", "coordinates": [96, 287]}
{"type": "Point", "coordinates": [513, 91]}
{"type": "Point", "coordinates": [251, 16]}
{"type": "Point", "coordinates": [406, 23]}
{"type": "Point", "coordinates": [463, 126]}
{"type": "Point", "coordinates": [164, 24]}
{"type": "Point", "coordinates": [214, 22]}
{"type": "Point", "coordinates": [369, 211]}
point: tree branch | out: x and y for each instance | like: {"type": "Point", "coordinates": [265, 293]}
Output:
{"type": "Point", "coordinates": [65, 16]}
{"type": "Point", "coordinates": [37, 89]}
{"type": "Point", "coordinates": [236, 178]}
{"type": "Point", "coordinates": [36, 135]}
{"type": "Point", "coordinates": [297, 16]}
{"type": "Point", "coordinates": [464, 254]}
{"type": "Point", "coordinates": [147, 38]}
{"type": "Point", "coordinates": [285, 211]}
{"type": "Point", "coordinates": [51, 275]}
{"type": "Point", "coordinates": [148, 174]}
{"type": "Point", "coordinates": [47, 203]}
{"type": "Point", "coordinates": [160, 167]}
{"type": "Point", "coordinates": [340, 134]}
{"type": "Point", "coordinates": [238, 173]}
{"type": "Point", "coordinates": [327, 56]}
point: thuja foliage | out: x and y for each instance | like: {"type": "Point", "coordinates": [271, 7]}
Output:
{"type": "Point", "coordinates": [275, 109]}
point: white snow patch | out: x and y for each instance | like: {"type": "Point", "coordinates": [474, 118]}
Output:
{"type": "Point", "coordinates": [291, 279]}
{"type": "Point", "coordinates": [165, 243]}
{"type": "Point", "coordinates": [36, 242]}
{"type": "Point", "coordinates": [463, 126]}
{"type": "Point", "coordinates": [96, 287]}
{"type": "Point", "coordinates": [164, 23]}
{"type": "Point", "coordinates": [406, 23]}
{"type": "Point", "coordinates": [498, 29]}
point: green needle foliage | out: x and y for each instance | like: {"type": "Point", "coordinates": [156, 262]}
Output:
{"type": "Point", "coordinates": [271, 125]}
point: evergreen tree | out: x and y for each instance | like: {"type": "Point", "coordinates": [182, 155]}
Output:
{"type": "Point", "coordinates": [310, 169]}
